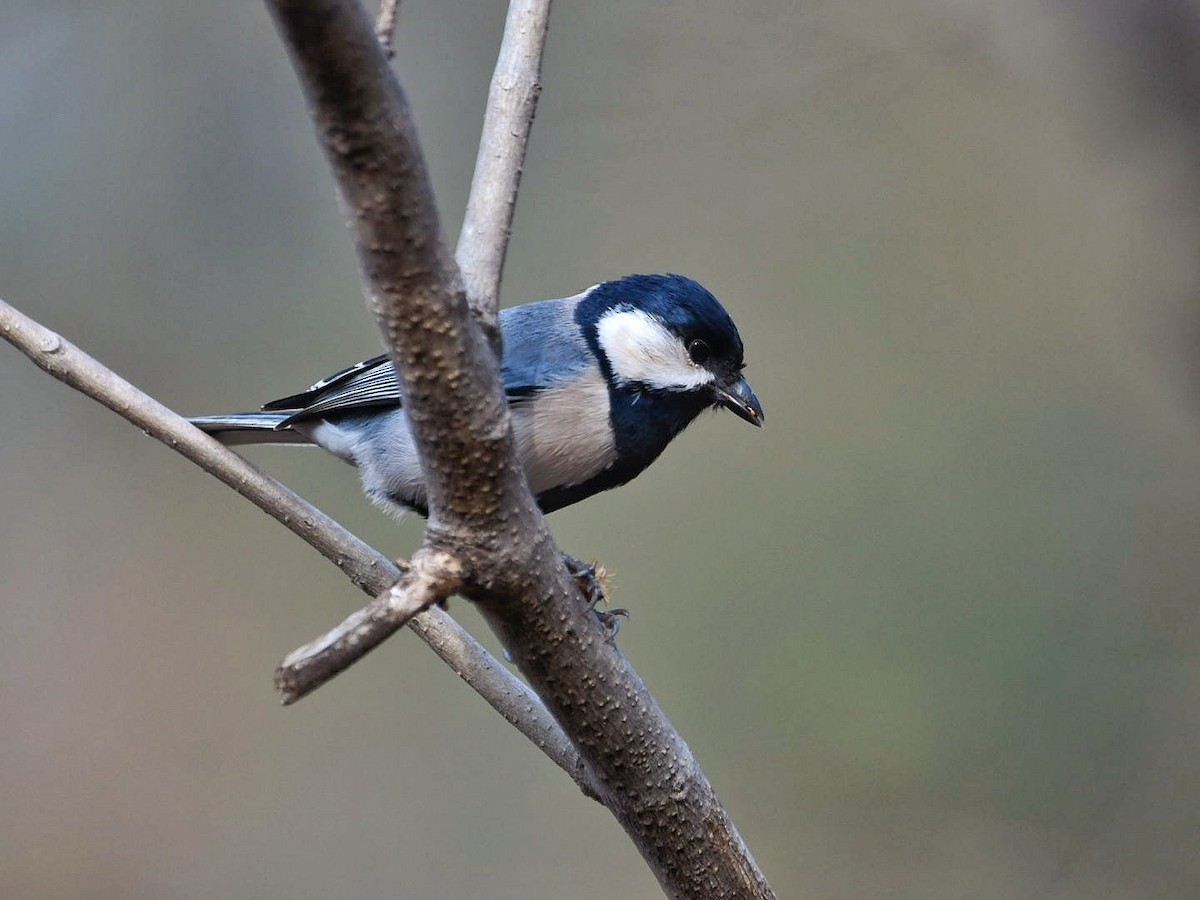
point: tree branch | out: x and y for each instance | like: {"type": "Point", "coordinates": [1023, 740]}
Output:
{"type": "Point", "coordinates": [363, 565]}
{"type": "Point", "coordinates": [508, 119]}
{"type": "Point", "coordinates": [481, 511]}
{"type": "Point", "coordinates": [429, 578]}
{"type": "Point", "coordinates": [507, 122]}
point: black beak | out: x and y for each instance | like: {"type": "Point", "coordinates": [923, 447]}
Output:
{"type": "Point", "coordinates": [738, 397]}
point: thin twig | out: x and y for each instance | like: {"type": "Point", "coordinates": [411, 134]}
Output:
{"type": "Point", "coordinates": [430, 577]}
{"type": "Point", "coordinates": [385, 25]}
{"type": "Point", "coordinates": [370, 570]}
{"type": "Point", "coordinates": [507, 122]}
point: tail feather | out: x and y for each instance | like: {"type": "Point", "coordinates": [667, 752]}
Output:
{"type": "Point", "coordinates": [249, 428]}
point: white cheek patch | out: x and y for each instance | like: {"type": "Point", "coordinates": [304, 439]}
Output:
{"type": "Point", "coordinates": [640, 348]}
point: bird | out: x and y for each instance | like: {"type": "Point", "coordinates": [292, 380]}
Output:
{"type": "Point", "coordinates": [598, 384]}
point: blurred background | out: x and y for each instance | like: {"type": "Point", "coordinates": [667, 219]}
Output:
{"type": "Point", "coordinates": [932, 632]}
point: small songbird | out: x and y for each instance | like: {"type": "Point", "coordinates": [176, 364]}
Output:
{"type": "Point", "coordinates": [598, 384]}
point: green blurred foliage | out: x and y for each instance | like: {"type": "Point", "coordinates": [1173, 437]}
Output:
{"type": "Point", "coordinates": [932, 632]}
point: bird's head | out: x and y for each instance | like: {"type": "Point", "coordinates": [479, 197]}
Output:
{"type": "Point", "coordinates": [667, 334]}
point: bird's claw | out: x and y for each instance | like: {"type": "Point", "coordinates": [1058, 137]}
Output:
{"type": "Point", "coordinates": [590, 578]}
{"type": "Point", "coordinates": [610, 620]}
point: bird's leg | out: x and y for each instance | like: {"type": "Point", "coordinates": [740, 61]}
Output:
{"type": "Point", "coordinates": [590, 579]}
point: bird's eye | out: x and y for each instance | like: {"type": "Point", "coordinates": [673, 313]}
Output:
{"type": "Point", "coordinates": [699, 351]}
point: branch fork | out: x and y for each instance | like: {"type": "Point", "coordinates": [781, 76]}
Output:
{"type": "Point", "coordinates": [430, 577]}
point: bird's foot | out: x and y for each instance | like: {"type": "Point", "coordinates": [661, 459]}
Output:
{"type": "Point", "coordinates": [591, 579]}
